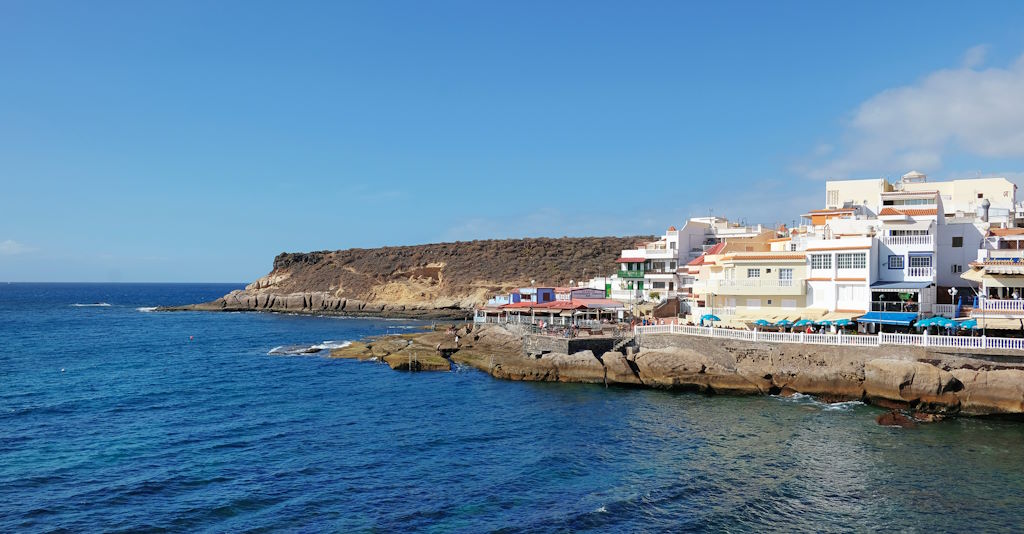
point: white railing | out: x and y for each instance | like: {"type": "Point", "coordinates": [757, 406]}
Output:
{"type": "Point", "coordinates": [945, 310]}
{"type": "Point", "coordinates": [908, 240]}
{"type": "Point", "coordinates": [769, 283]}
{"type": "Point", "coordinates": [907, 340]}
{"type": "Point", "coordinates": [919, 272]}
{"type": "Point", "coordinates": [1001, 305]}
{"type": "Point", "coordinates": [724, 311]}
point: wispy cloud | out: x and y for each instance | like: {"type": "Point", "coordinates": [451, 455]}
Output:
{"type": "Point", "coordinates": [966, 110]}
{"type": "Point", "coordinates": [11, 247]}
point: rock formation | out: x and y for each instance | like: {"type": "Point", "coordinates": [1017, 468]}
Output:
{"type": "Point", "coordinates": [439, 280]}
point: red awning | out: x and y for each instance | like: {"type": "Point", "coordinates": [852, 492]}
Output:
{"type": "Point", "coordinates": [630, 260]}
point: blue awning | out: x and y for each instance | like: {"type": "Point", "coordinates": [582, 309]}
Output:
{"type": "Point", "coordinates": [897, 318]}
{"type": "Point", "coordinates": [899, 284]}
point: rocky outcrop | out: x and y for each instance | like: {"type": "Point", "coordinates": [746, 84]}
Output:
{"type": "Point", "coordinates": [928, 383]}
{"type": "Point", "coordinates": [443, 280]}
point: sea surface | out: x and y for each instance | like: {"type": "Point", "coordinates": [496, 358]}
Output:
{"type": "Point", "coordinates": [114, 417]}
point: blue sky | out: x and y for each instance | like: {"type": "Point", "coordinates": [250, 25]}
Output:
{"type": "Point", "coordinates": [189, 141]}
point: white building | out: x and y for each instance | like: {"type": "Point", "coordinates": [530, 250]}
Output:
{"type": "Point", "coordinates": [960, 198]}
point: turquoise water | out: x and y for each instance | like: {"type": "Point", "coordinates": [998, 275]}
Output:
{"type": "Point", "coordinates": [111, 418]}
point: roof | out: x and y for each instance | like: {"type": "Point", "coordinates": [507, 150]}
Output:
{"type": "Point", "coordinates": [909, 211]}
{"type": "Point", "coordinates": [630, 260]}
{"type": "Point", "coordinates": [1006, 231]}
{"type": "Point", "coordinates": [739, 256]}
{"type": "Point", "coordinates": [833, 210]}
{"type": "Point", "coordinates": [713, 250]}
{"type": "Point", "coordinates": [552, 305]}
{"type": "Point", "coordinates": [897, 318]}
{"type": "Point", "coordinates": [899, 285]}
{"type": "Point", "coordinates": [600, 303]}
{"type": "Point", "coordinates": [861, 247]}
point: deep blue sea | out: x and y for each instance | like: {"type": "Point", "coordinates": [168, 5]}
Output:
{"type": "Point", "coordinates": [117, 418]}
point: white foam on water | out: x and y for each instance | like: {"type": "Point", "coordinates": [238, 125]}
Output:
{"type": "Point", "coordinates": [146, 309]}
{"type": "Point", "coordinates": [93, 305]}
{"type": "Point", "coordinates": [800, 398]}
{"type": "Point", "coordinates": [601, 510]}
{"type": "Point", "coordinates": [328, 345]}
{"type": "Point", "coordinates": [298, 350]}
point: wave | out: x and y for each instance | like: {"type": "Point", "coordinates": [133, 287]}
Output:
{"type": "Point", "coordinates": [93, 305]}
{"type": "Point", "coordinates": [293, 350]}
{"type": "Point", "coordinates": [800, 398]}
{"type": "Point", "coordinates": [146, 309]}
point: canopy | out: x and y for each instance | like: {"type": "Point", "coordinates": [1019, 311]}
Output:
{"type": "Point", "coordinates": [968, 324]}
{"type": "Point", "coordinates": [824, 323]}
{"type": "Point", "coordinates": [762, 322]}
{"type": "Point", "coordinates": [922, 323]}
{"type": "Point", "coordinates": [843, 322]}
{"type": "Point", "coordinates": [709, 317]}
{"type": "Point", "coordinates": [803, 322]}
{"type": "Point", "coordinates": [899, 284]}
{"type": "Point", "coordinates": [784, 322]}
{"type": "Point", "coordinates": [896, 318]}
{"type": "Point", "coordinates": [999, 324]}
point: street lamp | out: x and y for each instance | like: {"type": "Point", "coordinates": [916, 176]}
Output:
{"type": "Point", "coordinates": [952, 299]}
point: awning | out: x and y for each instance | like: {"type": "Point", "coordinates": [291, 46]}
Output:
{"type": "Point", "coordinates": [896, 318]}
{"type": "Point", "coordinates": [630, 260]}
{"type": "Point", "coordinates": [836, 316]}
{"type": "Point", "coordinates": [885, 285]}
{"type": "Point", "coordinates": [974, 275]}
{"type": "Point", "coordinates": [998, 324]}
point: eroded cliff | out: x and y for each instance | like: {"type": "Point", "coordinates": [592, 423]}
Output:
{"type": "Point", "coordinates": [445, 279]}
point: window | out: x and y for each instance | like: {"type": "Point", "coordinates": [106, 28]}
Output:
{"type": "Point", "coordinates": [767, 271]}
{"type": "Point", "coordinates": [920, 261]}
{"type": "Point", "coordinates": [958, 242]}
{"type": "Point", "coordinates": [895, 262]}
{"type": "Point", "coordinates": [769, 302]}
{"type": "Point", "coordinates": [851, 260]}
{"type": "Point", "coordinates": [785, 274]}
{"type": "Point", "coordinates": [753, 273]}
{"type": "Point", "coordinates": [981, 195]}
{"type": "Point", "coordinates": [792, 247]}
{"type": "Point", "coordinates": [832, 198]}
{"type": "Point", "coordinates": [907, 232]}
{"type": "Point", "coordinates": [957, 268]}
{"type": "Point", "coordinates": [821, 261]}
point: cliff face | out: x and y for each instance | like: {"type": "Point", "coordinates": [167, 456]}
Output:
{"type": "Point", "coordinates": [421, 280]}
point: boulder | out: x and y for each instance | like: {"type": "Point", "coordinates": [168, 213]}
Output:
{"type": "Point", "coordinates": [917, 384]}
{"type": "Point", "coordinates": [985, 392]}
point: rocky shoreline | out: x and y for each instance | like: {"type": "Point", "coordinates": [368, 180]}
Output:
{"type": "Point", "coordinates": [323, 303]}
{"type": "Point", "coordinates": [924, 383]}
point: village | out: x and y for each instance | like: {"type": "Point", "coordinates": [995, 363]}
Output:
{"type": "Point", "coordinates": [909, 262]}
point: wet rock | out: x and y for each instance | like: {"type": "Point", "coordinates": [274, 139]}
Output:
{"type": "Point", "coordinates": [895, 419]}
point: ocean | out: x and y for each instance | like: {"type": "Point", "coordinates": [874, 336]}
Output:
{"type": "Point", "coordinates": [114, 417]}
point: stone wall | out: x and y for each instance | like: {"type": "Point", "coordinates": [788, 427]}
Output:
{"type": "Point", "coordinates": [535, 344]}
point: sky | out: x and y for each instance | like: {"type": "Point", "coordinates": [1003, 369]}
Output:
{"type": "Point", "coordinates": [194, 141]}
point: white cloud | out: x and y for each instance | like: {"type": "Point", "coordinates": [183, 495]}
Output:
{"type": "Point", "coordinates": [975, 56]}
{"type": "Point", "coordinates": [951, 111]}
{"type": "Point", "coordinates": [11, 247]}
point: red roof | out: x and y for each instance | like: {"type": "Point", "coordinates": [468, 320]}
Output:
{"type": "Point", "coordinates": [630, 260]}
{"type": "Point", "coordinates": [713, 250]}
{"type": "Point", "coordinates": [911, 212]}
{"type": "Point", "coordinates": [553, 305]}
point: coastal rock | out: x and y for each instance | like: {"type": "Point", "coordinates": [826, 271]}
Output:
{"type": "Point", "coordinates": [689, 369]}
{"type": "Point", "coordinates": [619, 370]}
{"type": "Point", "coordinates": [579, 367]}
{"type": "Point", "coordinates": [918, 384]}
{"type": "Point", "coordinates": [986, 392]}
{"type": "Point", "coordinates": [895, 419]}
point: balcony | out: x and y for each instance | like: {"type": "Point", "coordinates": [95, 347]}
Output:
{"type": "Point", "coordinates": [909, 240]}
{"type": "Point", "coordinates": [631, 274]}
{"type": "Point", "coordinates": [757, 286]}
{"type": "Point", "coordinates": [919, 273]}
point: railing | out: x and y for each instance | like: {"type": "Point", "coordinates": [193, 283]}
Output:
{"type": "Point", "coordinates": [908, 240]}
{"type": "Point", "coordinates": [768, 283]}
{"type": "Point", "coordinates": [1000, 305]}
{"type": "Point", "coordinates": [919, 272]}
{"type": "Point", "coordinates": [631, 274]}
{"type": "Point", "coordinates": [907, 340]}
{"type": "Point", "coordinates": [945, 310]}
{"type": "Point", "coordinates": [724, 311]}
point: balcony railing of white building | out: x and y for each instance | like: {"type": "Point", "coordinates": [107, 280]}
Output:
{"type": "Point", "coordinates": [763, 283]}
{"type": "Point", "coordinates": [915, 340]}
{"type": "Point", "coordinates": [909, 240]}
{"type": "Point", "coordinates": [1000, 305]}
{"type": "Point", "coordinates": [720, 311]}
{"type": "Point", "coordinates": [919, 272]}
